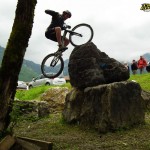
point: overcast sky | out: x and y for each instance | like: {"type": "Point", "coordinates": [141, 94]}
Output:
{"type": "Point", "coordinates": [121, 29]}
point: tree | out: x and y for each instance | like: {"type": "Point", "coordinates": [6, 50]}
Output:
{"type": "Point", "coordinates": [13, 58]}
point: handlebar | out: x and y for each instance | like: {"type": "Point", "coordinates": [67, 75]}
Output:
{"type": "Point", "coordinates": [66, 26]}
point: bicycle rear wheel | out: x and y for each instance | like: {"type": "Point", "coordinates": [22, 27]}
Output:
{"type": "Point", "coordinates": [86, 32]}
{"type": "Point", "coordinates": [52, 66]}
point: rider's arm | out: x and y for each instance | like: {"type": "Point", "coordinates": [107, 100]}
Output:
{"type": "Point", "coordinates": [51, 12]}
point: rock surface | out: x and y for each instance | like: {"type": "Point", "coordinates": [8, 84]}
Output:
{"type": "Point", "coordinates": [106, 107]}
{"type": "Point", "coordinates": [55, 97]}
{"type": "Point", "coordinates": [88, 67]}
{"type": "Point", "coordinates": [32, 108]}
{"type": "Point", "coordinates": [146, 99]}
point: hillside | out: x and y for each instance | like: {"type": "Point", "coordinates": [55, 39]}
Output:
{"type": "Point", "coordinates": [30, 69]}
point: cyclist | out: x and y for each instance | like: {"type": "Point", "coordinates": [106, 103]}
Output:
{"type": "Point", "coordinates": [53, 31]}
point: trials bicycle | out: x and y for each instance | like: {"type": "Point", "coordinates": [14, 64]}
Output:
{"type": "Point", "coordinates": [53, 64]}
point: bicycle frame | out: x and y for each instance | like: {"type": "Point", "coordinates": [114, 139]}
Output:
{"type": "Point", "coordinates": [58, 53]}
{"type": "Point", "coordinates": [70, 32]}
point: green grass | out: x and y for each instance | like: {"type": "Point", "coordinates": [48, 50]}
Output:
{"type": "Point", "coordinates": [143, 80]}
{"type": "Point", "coordinates": [31, 94]}
{"type": "Point", "coordinates": [35, 93]}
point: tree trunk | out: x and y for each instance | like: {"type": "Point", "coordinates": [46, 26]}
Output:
{"type": "Point", "coordinates": [13, 58]}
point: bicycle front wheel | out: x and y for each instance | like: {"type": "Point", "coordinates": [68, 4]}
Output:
{"type": "Point", "coordinates": [82, 33]}
{"type": "Point", "coordinates": [52, 66]}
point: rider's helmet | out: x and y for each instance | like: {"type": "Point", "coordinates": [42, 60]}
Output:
{"type": "Point", "coordinates": [67, 12]}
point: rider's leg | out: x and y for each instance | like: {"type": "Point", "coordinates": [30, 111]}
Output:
{"type": "Point", "coordinates": [58, 35]}
{"type": "Point", "coordinates": [66, 42]}
{"type": "Point", "coordinates": [141, 69]}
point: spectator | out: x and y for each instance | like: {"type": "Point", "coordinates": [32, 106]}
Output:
{"type": "Point", "coordinates": [134, 67]}
{"type": "Point", "coordinates": [148, 67]}
{"type": "Point", "coordinates": [142, 64]}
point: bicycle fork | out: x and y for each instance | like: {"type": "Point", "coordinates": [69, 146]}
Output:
{"type": "Point", "coordinates": [55, 59]}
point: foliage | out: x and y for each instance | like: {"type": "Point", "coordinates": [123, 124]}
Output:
{"type": "Point", "coordinates": [15, 116]}
{"type": "Point", "coordinates": [26, 73]}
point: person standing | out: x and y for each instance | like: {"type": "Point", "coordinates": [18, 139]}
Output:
{"type": "Point", "coordinates": [148, 67]}
{"type": "Point", "coordinates": [142, 64]}
{"type": "Point", "coordinates": [134, 67]}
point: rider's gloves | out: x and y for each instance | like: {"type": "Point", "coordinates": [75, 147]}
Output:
{"type": "Point", "coordinates": [66, 26]}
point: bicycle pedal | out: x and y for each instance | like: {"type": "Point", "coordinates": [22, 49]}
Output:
{"type": "Point", "coordinates": [65, 48]}
{"type": "Point", "coordinates": [59, 53]}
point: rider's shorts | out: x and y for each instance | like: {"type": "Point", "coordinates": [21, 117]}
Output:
{"type": "Point", "coordinates": [51, 34]}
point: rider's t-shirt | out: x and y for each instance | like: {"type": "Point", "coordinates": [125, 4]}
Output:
{"type": "Point", "coordinates": [57, 19]}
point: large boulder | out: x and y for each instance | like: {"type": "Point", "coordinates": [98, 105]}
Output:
{"type": "Point", "coordinates": [88, 67]}
{"type": "Point", "coordinates": [105, 107]}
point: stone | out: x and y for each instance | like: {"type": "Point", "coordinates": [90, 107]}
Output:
{"type": "Point", "coordinates": [43, 109]}
{"type": "Point", "coordinates": [55, 97]}
{"type": "Point", "coordinates": [106, 107]}
{"type": "Point", "coordinates": [32, 108]}
{"type": "Point", "coordinates": [146, 99]}
{"type": "Point", "coordinates": [88, 67]}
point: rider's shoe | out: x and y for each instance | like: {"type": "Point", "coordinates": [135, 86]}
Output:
{"type": "Point", "coordinates": [62, 49]}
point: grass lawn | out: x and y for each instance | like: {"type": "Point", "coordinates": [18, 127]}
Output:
{"type": "Point", "coordinates": [143, 80]}
{"type": "Point", "coordinates": [75, 137]}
